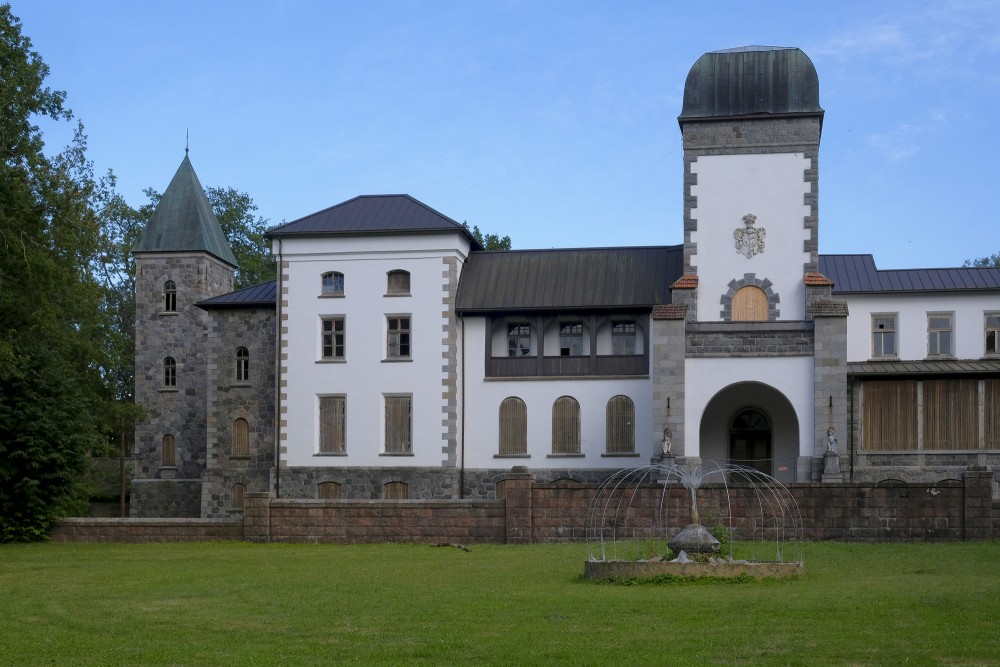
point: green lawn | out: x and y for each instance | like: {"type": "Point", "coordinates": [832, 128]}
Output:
{"type": "Point", "coordinates": [244, 604]}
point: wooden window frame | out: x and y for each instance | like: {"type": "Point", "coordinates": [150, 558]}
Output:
{"type": "Point", "coordinates": [398, 336]}
{"type": "Point", "coordinates": [170, 297]}
{"type": "Point", "coordinates": [880, 335]}
{"type": "Point", "coordinates": [938, 330]}
{"type": "Point", "coordinates": [991, 333]}
{"type": "Point", "coordinates": [333, 338]}
{"type": "Point", "coordinates": [398, 418]}
{"type": "Point", "coordinates": [518, 339]}
{"type": "Point", "coordinates": [169, 372]}
{"type": "Point", "coordinates": [571, 339]}
{"type": "Point", "coordinates": [242, 366]}
{"type": "Point", "coordinates": [333, 424]}
{"type": "Point", "coordinates": [623, 336]}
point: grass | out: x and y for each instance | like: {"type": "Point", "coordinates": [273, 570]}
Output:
{"type": "Point", "coordinates": [236, 603]}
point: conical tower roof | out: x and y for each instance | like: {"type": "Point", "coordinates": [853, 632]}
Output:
{"type": "Point", "coordinates": [184, 220]}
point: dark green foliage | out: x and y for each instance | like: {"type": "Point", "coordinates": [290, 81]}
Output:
{"type": "Point", "coordinates": [51, 392]}
{"type": "Point", "coordinates": [993, 261]}
{"type": "Point", "coordinates": [488, 241]}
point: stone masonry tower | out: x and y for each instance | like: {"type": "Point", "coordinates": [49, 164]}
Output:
{"type": "Point", "coordinates": [182, 259]}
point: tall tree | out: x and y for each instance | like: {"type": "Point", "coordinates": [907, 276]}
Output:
{"type": "Point", "coordinates": [488, 241]}
{"type": "Point", "coordinates": [991, 262]}
{"type": "Point", "coordinates": [51, 391]}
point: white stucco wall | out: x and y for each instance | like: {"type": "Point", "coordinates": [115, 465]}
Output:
{"type": "Point", "coordinates": [911, 322]}
{"type": "Point", "coordinates": [706, 377]}
{"type": "Point", "coordinates": [365, 377]}
{"type": "Point", "coordinates": [482, 409]}
{"type": "Point", "coordinates": [770, 186]}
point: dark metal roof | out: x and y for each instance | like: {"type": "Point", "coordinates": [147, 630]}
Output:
{"type": "Point", "coordinates": [372, 214]}
{"type": "Point", "coordinates": [575, 279]}
{"type": "Point", "coordinates": [857, 274]}
{"type": "Point", "coordinates": [929, 367]}
{"type": "Point", "coordinates": [751, 80]}
{"type": "Point", "coordinates": [262, 295]}
{"type": "Point", "coordinates": [184, 220]}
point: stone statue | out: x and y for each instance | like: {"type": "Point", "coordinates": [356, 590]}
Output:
{"type": "Point", "coordinates": [666, 444]}
{"type": "Point", "coordinates": [831, 440]}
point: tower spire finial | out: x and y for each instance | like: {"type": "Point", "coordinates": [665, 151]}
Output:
{"type": "Point", "coordinates": [187, 140]}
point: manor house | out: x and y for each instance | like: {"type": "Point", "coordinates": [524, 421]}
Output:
{"type": "Point", "coordinates": [394, 358]}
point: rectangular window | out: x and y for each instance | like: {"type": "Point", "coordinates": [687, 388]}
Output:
{"type": "Point", "coordinates": [333, 283]}
{"type": "Point", "coordinates": [331, 424]}
{"type": "Point", "coordinates": [884, 335]}
{"type": "Point", "coordinates": [623, 337]}
{"type": "Point", "coordinates": [398, 424]}
{"type": "Point", "coordinates": [992, 333]}
{"type": "Point", "coordinates": [333, 338]}
{"type": "Point", "coordinates": [939, 334]}
{"type": "Point", "coordinates": [570, 339]}
{"type": "Point", "coordinates": [398, 337]}
{"type": "Point", "coordinates": [518, 340]}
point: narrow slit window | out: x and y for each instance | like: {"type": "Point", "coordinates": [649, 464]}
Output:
{"type": "Point", "coordinates": [169, 372]}
{"type": "Point", "coordinates": [242, 364]}
{"type": "Point", "coordinates": [170, 296]}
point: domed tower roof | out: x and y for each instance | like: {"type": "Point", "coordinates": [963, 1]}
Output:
{"type": "Point", "coordinates": [184, 220]}
{"type": "Point", "coordinates": [751, 81]}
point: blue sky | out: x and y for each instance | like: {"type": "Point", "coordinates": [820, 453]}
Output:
{"type": "Point", "coordinates": [551, 121]}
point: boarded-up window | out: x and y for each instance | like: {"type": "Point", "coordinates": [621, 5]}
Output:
{"type": "Point", "coordinates": [513, 427]}
{"type": "Point", "coordinates": [951, 414]}
{"type": "Point", "coordinates": [566, 426]}
{"type": "Point", "coordinates": [750, 305]}
{"type": "Point", "coordinates": [241, 437]}
{"type": "Point", "coordinates": [328, 491]}
{"type": "Point", "coordinates": [236, 500]}
{"type": "Point", "coordinates": [331, 424]}
{"type": "Point", "coordinates": [991, 408]}
{"type": "Point", "coordinates": [398, 425]}
{"type": "Point", "coordinates": [621, 425]}
{"type": "Point", "coordinates": [890, 415]}
{"type": "Point", "coordinates": [398, 282]}
{"type": "Point", "coordinates": [395, 491]}
{"type": "Point", "coordinates": [169, 451]}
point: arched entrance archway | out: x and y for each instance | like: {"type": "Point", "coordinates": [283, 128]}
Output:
{"type": "Point", "coordinates": [750, 440]}
{"type": "Point", "coordinates": [751, 424]}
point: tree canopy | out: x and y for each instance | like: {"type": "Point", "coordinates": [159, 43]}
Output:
{"type": "Point", "coordinates": [488, 241]}
{"type": "Point", "coordinates": [992, 261]}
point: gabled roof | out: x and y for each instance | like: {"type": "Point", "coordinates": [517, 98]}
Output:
{"type": "Point", "coordinates": [574, 279]}
{"type": "Point", "coordinates": [857, 274]}
{"type": "Point", "coordinates": [184, 220]}
{"type": "Point", "coordinates": [372, 214]}
{"type": "Point", "coordinates": [262, 295]}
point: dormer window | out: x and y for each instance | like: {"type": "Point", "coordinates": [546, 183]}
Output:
{"type": "Point", "coordinates": [169, 297]}
{"type": "Point", "coordinates": [398, 283]}
{"type": "Point", "coordinates": [333, 284]}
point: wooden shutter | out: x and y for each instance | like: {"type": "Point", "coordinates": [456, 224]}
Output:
{"type": "Point", "coordinates": [889, 415]}
{"type": "Point", "coordinates": [395, 491]}
{"type": "Point", "coordinates": [620, 425]}
{"type": "Point", "coordinates": [566, 426]}
{"type": "Point", "coordinates": [239, 491]}
{"type": "Point", "coordinates": [169, 451]}
{"type": "Point", "coordinates": [750, 305]}
{"type": "Point", "coordinates": [991, 409]}
{"type": "Point", "coordinates": [513, 427]}
{"type": "Point", "coordinates": [328, 491]}
{"type": "Point", "coordinates": [397, 424]}
{"type": "Point", "coordinates": [241, 437]}
{"type": "Point", "coordinates": [951, 414]}
{"type": "Point", "coordinates": [331, 424]}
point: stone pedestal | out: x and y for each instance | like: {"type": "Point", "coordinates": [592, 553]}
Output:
{"type": "Point", "coordinates": [831, 468]}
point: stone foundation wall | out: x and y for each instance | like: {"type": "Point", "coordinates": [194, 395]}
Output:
{"type": "Point", "coordinates": [368, 483]}
{"type": "Point", "coordinates": [173, 498]}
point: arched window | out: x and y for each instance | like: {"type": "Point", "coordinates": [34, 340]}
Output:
{"type": "Point", "coordinates": [169, 453]}
{"type": "Point", "coordinates": [241, 437]}
{"type": "Point", "coordinates": [236, 501]}
{"type": "Point", "coordinates": [170, 296]}
{"type": "Point", "coordinates": [566, 426]}
{"type": "Point", "coordinates": [750, 304]}
{"type": "Point", "coordinates": [395, 491]}
{"type": "Point", "coordinates": [620, 425]}
{"type": "Point", "coordinates": [328, 491]}
{"type": "Point", "coordinates": [513, 427]}
{"type": "Point", "coordinates": [398, 282]}
{"type": "Point", "coordinates": [333, 284]}
{"type": "Point", "coordinates": [242, 364]}
{"type": "Point", "coordinates": [169, 372]}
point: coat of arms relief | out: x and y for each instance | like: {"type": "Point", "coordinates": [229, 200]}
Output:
{"type": "Point", "coordinates": [749, 239]}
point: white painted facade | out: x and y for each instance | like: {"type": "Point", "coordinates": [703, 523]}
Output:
{"type": "Point", "coordinates": [968, 311]}
{"type": "Point", "coordinates": [770, 186]}
{"type": "Point", "coordinates": [366, 375]}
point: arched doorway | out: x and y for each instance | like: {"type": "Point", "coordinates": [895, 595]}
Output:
{"type": "Point", "coordinates": [750, 440]}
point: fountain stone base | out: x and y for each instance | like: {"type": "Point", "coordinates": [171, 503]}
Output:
{"type": "Point", "coordinates": [641, 569]}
